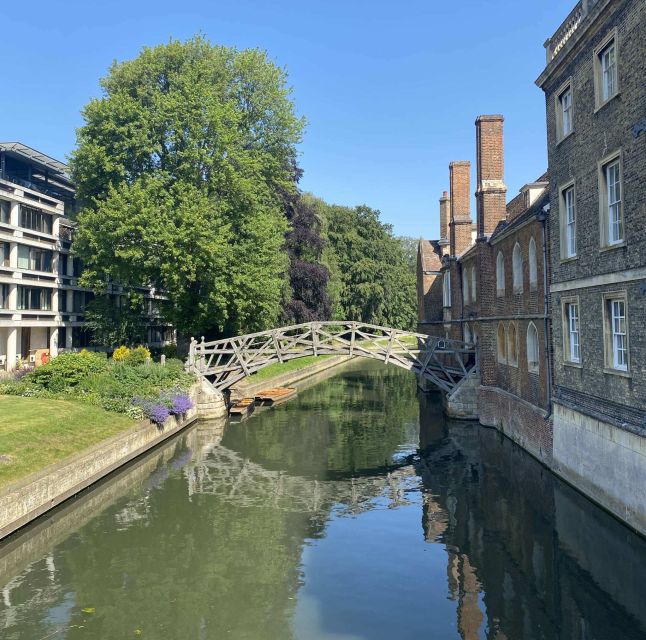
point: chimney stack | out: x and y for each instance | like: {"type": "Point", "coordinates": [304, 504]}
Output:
{"type": "Point", "coordinates": [445, 215]}
{"type": "Point", "coordinates": [460, 225]}
{"type": "Point", "coordinates": [491, 191]}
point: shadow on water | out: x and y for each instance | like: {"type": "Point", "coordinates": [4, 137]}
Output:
{"type": "Point", "coordinates": [354, 511]}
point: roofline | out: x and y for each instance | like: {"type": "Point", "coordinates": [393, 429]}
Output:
{"type": "Point", "coordinates": [36, 156]}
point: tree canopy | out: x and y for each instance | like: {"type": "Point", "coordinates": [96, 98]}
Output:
{"type": "Point", "coordinates": [182, 167]}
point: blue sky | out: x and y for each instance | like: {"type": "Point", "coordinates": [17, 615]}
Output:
{"type": "Point", "coordinates": [390, 89]}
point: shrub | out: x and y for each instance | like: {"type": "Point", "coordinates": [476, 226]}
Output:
{"type": "Point", "coordinates": [138, 355]}
{"type": "Point", "coordinates": [67, 370]}
{"type": "Point", "coordinates": [120, 353]}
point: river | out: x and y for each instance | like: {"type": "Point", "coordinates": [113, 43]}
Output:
{"type": "Point", "coordinates": [355, 511]}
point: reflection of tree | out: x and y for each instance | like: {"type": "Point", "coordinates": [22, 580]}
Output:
{"type": "Point", "coordinates": [351, 424]}
{"type": "Point", "coordinates": [211, 546]}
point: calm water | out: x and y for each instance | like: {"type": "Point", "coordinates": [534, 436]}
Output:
{"type": "Point", "coordinates": [352, 512]}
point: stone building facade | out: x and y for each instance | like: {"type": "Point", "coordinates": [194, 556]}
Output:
{"type": "Point", "coordinates": [42, 306]}
{"type": "Point", "coordinates": [553, 289]}
{"type": "Point", "coordinates": [595, 93]}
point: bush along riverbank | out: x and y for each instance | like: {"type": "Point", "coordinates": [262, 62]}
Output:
{"type": "Point", "coordinates": [127, 383]}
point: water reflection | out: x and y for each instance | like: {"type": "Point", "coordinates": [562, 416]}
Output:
{"type": "Point", "coordinates": [355, 511]}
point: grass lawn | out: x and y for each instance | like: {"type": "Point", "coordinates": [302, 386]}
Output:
{"type": "Point", "coordinates": [35, 432]}
{"type": "Point", "coordinates": [285, 367]}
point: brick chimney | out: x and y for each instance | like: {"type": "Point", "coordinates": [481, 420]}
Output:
{"type": "Point", "coordinates": [460, 225]}
{"type": "Point", "coordinates": [491, 191]}
{"type": "Point", "coordinates": [445, 215]}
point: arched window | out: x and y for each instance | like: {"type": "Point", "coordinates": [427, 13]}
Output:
{"type": "Point", "coordinates": [468, 335]}
{"type": "Point", "coordinates": [517, 269]}
{"type": "Point", "coordinates": [500, 274]}
{"type": "Point", "coordinates": [512, 345]}
{"type": "Point", "coordinates": [533, 267]}
{"type": "Point", "coordinates": [446, 289]}
{"type": "Point", "coordinates": [465, 286]}
{"type": "Point", "coordinates": [502, 343]}
{"type": "Point", "coordinates": [532, 348]}
{"type": "Point", "coordinates": [473, 283]}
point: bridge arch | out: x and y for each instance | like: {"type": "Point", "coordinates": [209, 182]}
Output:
{"type": "Point", "coordinates": [445, 363]}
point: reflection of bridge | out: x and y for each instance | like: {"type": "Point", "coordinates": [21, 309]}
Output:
{"type": "Point", "coordinates": [219, 471]}
{"type": "Point", "coordinates": [445, 363]}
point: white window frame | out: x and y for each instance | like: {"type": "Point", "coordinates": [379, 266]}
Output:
{"type": "Point", "coordinates": [572, 331]}
{"type": "Point", "coordinates": [533, 264]}
{"type": "Point", "coordinates": [564, 110]}
{"type": "Point", "coordinates": [473, 284]}
{"type": "Point", "coordinates": [500, 274]}
{"type": "Point", "coordinates": [517, 268]}
{"type": "Point", "coordinates": [611, 208]}
{"type": "Point", "coordinates": [533, 349]}
{"type": "Point", "coordinates": [568, 220]}
{"type": "Point", "coordinates": [617, 344]}
{"type": "Point", "coordinates": [465, 286]}
{"type": "Point", "coordinates": [606, 71]}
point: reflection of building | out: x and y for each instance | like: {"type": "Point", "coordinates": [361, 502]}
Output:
{"type": "Point", "coordinates": [527, 556]}
{"type": "Point", "coordinates": [552, 289]}
{"type": "Point", "coordinates": [41, 305]}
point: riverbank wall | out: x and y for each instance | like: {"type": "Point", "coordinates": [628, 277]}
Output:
{"type": "Point", "coordinates": [26, 499]}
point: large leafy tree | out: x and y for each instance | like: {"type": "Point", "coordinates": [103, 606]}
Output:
{"type": "Point", "coordinates": [182, 166]}
{"type": "Point", "coordinates": [371, 278]}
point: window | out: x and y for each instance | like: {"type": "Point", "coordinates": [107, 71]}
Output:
{"type": "Point", "coordinates": [564, 111]}
{"type": "Point", "coordinates": [35, 220]}
{"type": "Point", "coordinates": [502, 343]}
{"type": "Point", "coordinates": [616, 333]}
{"type": "Point", "coordinates": [34, 259]}
{"type": "Point", "coordinates": [606, 79]}
{"type": "Point", "coordinates": [446, 289]}
{"type": "Point", "coordinates": [500, 274]}
{"type": "Point", "coordinates": [608, 72]}
{"type": "Point", "coordinates": [5, 250]}
{"type": "Point", "coordinates": [612, 196]}
{"type": "Point", "coordinates": [568, 222]}
{"type": "Point", "coordinates": [5, 211]}
{"type": "Point", "coordinates": [468, 334]}
{"type": "Point", "coordinates": [473, 283]}
{"type": "Point", "coordinates": [465, 286]}
{"type": "Point", "coordinates": [34, 298]}
{"type": "Point", "coordinates": [532, 348]}
{"type": "Point", "coordinates": [533, 265]}
{"type": "Point", "coordinates": [4, 296]}
{"type": "Point", "coordinates": [512, 345]}
{"type": "Point", "coordinates": [571, 343]}
{"type": "Point", "coordinates": [517, 269]}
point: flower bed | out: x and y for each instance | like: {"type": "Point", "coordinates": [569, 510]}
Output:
{"type": "Point", "coordinates": [130, 384]}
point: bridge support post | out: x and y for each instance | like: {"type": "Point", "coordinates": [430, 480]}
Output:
{"type": "Point", "coordinates": [462, 403]}
{"type": "Point", "coordinates": [210, 402]}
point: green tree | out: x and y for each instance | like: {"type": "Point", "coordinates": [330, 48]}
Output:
{"type": "Point", "coordinates": [181, 169]}
{"type": "Point", "coordinates": [371, 279]}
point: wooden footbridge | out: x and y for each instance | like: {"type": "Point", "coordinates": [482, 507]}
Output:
{"type": "Point", "coordinates": [445, 363]}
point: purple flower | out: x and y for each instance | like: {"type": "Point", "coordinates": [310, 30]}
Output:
{"type": "Point", "coordinates": [180, 404]}
{"type": "Point", "coordinates": [157, 413]}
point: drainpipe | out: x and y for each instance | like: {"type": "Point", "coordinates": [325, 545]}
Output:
{"type": "Point", "coordinates": [542, 217]}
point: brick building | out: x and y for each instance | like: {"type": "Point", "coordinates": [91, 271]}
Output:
{"type": "Point", "coordinates": [493, 289]}
{"type": "Point", "coordinates": [595, 93]}
{"type": "Point", "coordinates": [553, 289]}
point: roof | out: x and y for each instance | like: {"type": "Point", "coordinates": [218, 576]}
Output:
{"type": "Point", "coordinates": [23, 152]}
{"type": "Point", "coordinates": [430, 260]}
{"type": "Point", "coordinates": [534, 210]}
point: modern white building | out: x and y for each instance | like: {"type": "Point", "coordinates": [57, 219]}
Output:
{"type": "Point", "coordinates": [41, 305]}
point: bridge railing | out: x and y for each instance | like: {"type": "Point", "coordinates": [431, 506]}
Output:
{"type": "Point", "coordinates": [224, 362]}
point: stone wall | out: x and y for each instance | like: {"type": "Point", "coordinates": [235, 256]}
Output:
{"type": "Point", "coordinates": [605, 462]}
